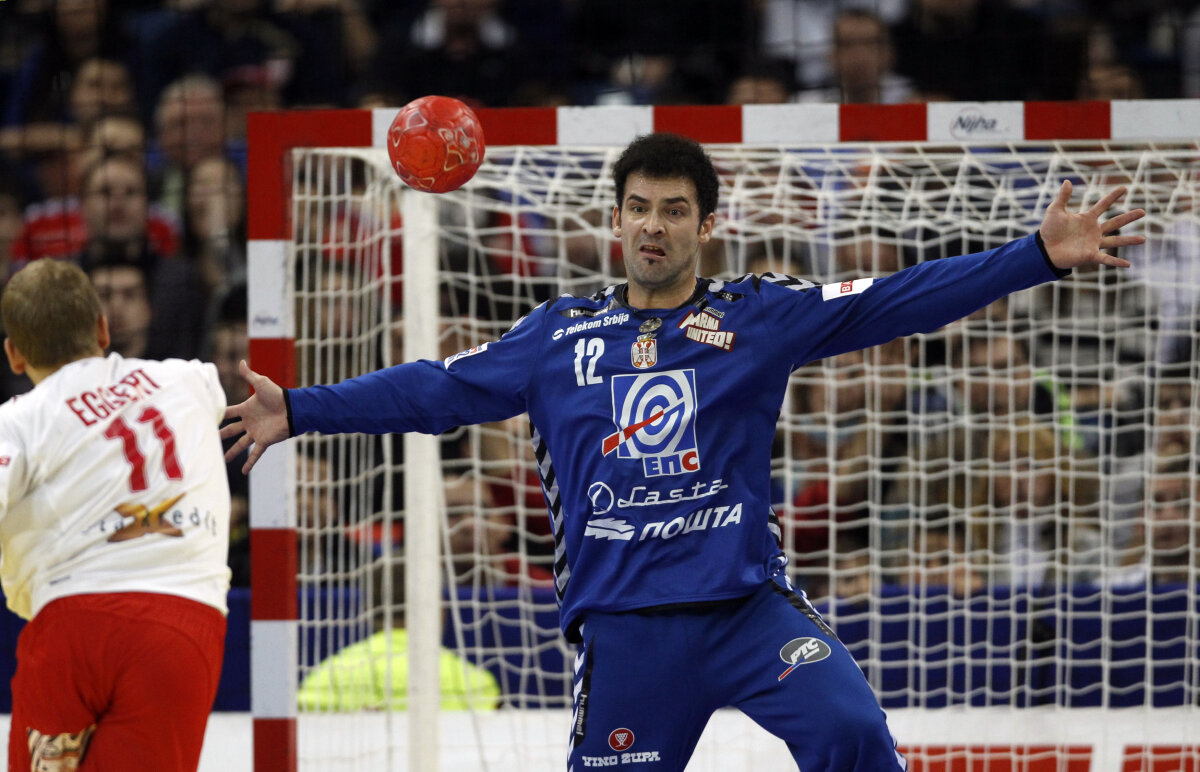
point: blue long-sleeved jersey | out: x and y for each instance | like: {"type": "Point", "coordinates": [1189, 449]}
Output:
{"type": "Point", "coordinates": [653, 427]}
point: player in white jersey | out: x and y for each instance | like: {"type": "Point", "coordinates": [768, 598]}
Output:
{"type": "Point", "coordinates": [114, 534]}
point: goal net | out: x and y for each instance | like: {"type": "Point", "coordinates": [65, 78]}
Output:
{"type": "Point", "coordinates": [999, 519]}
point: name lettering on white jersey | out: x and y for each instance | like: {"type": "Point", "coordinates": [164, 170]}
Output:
{"type": "Point", "coordinates": [93, 406]}
{"type": "Point", "coordinates": [845, 288]}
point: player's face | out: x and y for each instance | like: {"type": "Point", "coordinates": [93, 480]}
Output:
{"type": "Point", "coordinates": [661, 233]}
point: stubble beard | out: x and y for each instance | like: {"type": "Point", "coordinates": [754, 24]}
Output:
{"type": "Point", "coordinates": [658, 276]}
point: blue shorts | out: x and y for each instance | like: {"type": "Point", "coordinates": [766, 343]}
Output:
{"type": "Point", "coordinates": [646, 683]}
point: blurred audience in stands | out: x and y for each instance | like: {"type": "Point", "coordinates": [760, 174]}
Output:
{"type": "Point", "coordinates": [853, 580]}
{"type": "Point", "coordinates": [482, 538]}
{"type": "Point", "coordinates": [861, 64]}
{"type": "Point", "coordinates": [189, 124]}
{"type": "Point", "coordinates": [804, 31]}
{"type": "Point", "coordinates": [1165, 548]}
{"type": "Point", "coordinates": [633, 52]}
{"type": "Point", "coordinates": [125, 298]}
{"type": "Point", "coordinates": [214, 224]}
{"type": "Point", "coordinates": [115, 213]}
{"type": "Point", "coordinates": [11, 202]}
{"type": "Point", "coordinates": [762, 81]}
{"type": "Point", "coordinates": [56, 227]}
{"type": "Point", "coordinates": [72, 33]}
{"type": "Point", "coordinates": [161, 226]}
{"type": "Point", "coordinates": [11, 206]}
{"type": "Point", "coordinates": [1044, 517]}
{"type": "Point", "coordinates": [975, 50]}
{"type": "Point", "coordinates": [840, 459]}
{"type": "Point", "coordinates": [1168, 266]}
{"type": "Point", "coordinates": [324, 545]}
{"type": "Point", "coordinates": [372, 674]}
{"type": "Point", "coordinates": [460, 48]}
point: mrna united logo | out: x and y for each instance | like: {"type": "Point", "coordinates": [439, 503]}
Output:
{"type": "Point", "coordinates": [704, 327]}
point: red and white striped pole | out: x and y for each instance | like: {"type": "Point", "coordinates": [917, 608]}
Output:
{"type": "Point", "coordinates": [273, 587]}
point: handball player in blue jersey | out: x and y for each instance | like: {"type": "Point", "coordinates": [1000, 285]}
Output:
{"type": "Point", "coordinates": [653, 405]}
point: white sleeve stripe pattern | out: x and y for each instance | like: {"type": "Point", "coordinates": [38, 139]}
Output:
{"type": "Point", "coordinates": [790, 282]}
{"type": "Point", "coordinates": [842, 289]}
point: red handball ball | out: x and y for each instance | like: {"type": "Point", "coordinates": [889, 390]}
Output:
{"type": "Point", "coordinates": [436, 144]}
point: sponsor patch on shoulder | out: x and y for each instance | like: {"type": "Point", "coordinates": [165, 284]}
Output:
{"type": "Point", "coordinates": [843, 288]}
{"type": "Point", "coordinates": [482, 347]}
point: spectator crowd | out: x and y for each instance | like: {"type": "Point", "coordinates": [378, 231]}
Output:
{"type": "Point", "coordinates": [122, 147]}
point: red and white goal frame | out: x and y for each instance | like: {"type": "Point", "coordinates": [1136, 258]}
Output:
{"type": "Point", "coordinates": [273, 136]}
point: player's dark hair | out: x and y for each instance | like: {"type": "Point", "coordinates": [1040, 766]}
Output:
{"type": "Point", "coordinates": [665, 156]}
{"type": "Point", "coordinates": [50, 311]}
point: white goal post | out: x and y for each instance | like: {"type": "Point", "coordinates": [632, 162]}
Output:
{"type": "Point", "coordinates": [999, 519]}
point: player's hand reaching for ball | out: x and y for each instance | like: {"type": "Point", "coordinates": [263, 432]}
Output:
{"type": "Point", "coordinates": [261, 420]}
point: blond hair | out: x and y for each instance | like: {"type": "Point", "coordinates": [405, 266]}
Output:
{"type": "Point", "coordinates": [50, 310]}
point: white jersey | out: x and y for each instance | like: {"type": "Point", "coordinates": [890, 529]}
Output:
{"type": "Point", "coordinates": [112, 479]}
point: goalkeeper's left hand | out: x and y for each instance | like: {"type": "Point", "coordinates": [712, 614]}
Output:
{"type": "Point", "coordinates": [1073, 239]}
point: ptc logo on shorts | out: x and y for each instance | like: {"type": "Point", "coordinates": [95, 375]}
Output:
{"type": "Point", "coordinates": [655, 416]}
{"type": "Point", "coordinates": [802, 651]}
{"type": "Point", "coordinates": [620, 739]}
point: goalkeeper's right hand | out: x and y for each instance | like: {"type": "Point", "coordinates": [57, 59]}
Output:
{"type": "Point", "coordinates": [261, 420]}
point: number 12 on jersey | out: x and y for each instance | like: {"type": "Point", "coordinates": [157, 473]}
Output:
{"type": "Point", "coordinates": [590, 349]}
